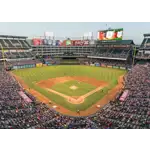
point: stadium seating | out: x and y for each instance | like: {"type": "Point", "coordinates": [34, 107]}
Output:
{"type": "Point", "coordinates": [15, 112]}
{"type": "Point", "coordinates": [133, 113]}
{"type": "Point", "coordinates": [111, 53]}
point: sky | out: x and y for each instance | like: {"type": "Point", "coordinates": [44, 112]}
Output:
{"type": "Point", "coordinates": [132, 30]}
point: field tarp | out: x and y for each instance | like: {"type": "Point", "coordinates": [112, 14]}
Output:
{"type": "Point", "coordinates": [124, 95]}
{"type": "Point", "coordinates": [25, 97]}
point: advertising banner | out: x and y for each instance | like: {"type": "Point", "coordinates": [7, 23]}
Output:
{"type": "Point", "coordinates": [92, 64]}
{"type": "Point", "coordinates": [14, 67]}
{"type": "Point", "coordinates": [45, 42]}
{"type": "Point", "coordinates": [19, 50]}
{"type": "Point", "coordinates": [123, 68]}
{"type": "Point", "coordinates": [54, 42]}
{"type": "Point", "coordinates": [68, 42]}
{"type": "Point", "coordinates": [50, 42]}
{"type": "Point", "coordinates": [103, 65]}
{"type": "Point", "coordinates": [80, 42]}
{"type": "Point", "coordinates": [109, 66]}
{"type": "Point", "coordinates": [39, 65]}
{"type": "Point", "coordinates": [58, 43]}
{"type": "Point", "coordinates": [37, 42]}
{"type": "Point", "coordinates": [111, 34]}
{"type": "Point", "coordinates": [116, 67]}
{"type": "Point", "coordinates": [97, 64]}
{"type": "Point", "coordinates": [47, 62]}
{"type": "Point", "coordinates": [13, 50]}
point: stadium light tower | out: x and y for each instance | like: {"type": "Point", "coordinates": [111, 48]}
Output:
{"type": "Point", "coordinates": [3, 56]}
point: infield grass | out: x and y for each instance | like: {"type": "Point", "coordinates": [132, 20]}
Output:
{"type": "Point", "coordinates": [65, 88]}
{"type": "Point", "coordinates": [33, 75]}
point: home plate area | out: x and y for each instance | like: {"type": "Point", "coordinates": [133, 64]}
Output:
{"type": "Point", "coordinates": [73, 87]}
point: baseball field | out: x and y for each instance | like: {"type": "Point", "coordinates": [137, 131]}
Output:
{"type": "Point", "coordinates": [72, 87]}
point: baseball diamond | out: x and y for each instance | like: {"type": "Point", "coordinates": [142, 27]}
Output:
{"type": "Point", "coordinates": [91, 84]}
{"type": "Point", "coordinates": [50, 82]}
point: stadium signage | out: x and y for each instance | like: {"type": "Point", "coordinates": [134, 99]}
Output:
{"type": "Point", "coordinates": [122, 68]}
{"type": "Point", "coordinates": [12, 50]}
{"type": "Point", "coordinates": [109, 66]}
{"type": "Point", "coordinates": [115, 67]}
{"type": "Point", "coordinates": [103, 65]}
{"type": "Point", "coordinates": [20, 50]}
{"type": "Point", "coordinates": [110, 34]}
{"type": "Point", "coordinates": [80, 42]}
{"type": "Point", "coordinates": [37, 42]}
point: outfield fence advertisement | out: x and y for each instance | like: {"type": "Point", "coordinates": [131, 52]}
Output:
{"type": "Point", "coordinates": [116, 67]}
{"type": "Point", "coordinates": [122, 68]}
{"type": "Point", "coordinates": [24, 66]}
{"type": "Point", "coordinates": [109, 66]}
{"type": "Point", "coordinates": [39, 65]}
{"type": "Point", "coordinates": [111, 34]}
{"type": "Point", "coordinates": [103, 65]}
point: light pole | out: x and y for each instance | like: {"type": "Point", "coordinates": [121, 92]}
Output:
{"type": "Point", "coordinates": [3, 55]}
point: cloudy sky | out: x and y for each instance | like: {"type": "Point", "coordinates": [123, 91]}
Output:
{"type": "Point", "coordinates": [132, 30]}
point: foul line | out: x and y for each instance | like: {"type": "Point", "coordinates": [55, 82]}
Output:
{"type": "Point", "coordinates": [73, 99]}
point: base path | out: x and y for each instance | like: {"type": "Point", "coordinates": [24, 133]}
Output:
{"type": "Point", "coordinates": [73, 100]}
{"type": "Point", "coordinates": [91, 110]}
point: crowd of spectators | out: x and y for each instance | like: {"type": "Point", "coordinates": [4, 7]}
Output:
{"type": "Point", "coordinates": [108, 62]}
{"type": "Point", "coordinates": [17, 113]}
{"type": "Point", "coordinates": [143, 55]}
{"type": "Point", "coordinates": [114, 53]}
{"type": "Point", "coordinates": [133, 113]}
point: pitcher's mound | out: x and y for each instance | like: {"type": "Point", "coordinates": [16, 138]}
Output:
{"type": "Point", "coordinates": [73, 87]}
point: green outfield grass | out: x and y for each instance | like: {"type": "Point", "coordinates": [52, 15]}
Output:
{"type": "Point", "coordinates": [33, 75]}
{"type": "Point", "coordinates": [82, 88]}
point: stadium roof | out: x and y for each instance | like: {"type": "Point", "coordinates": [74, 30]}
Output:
{"type": "Point", "coordinates": [119, 42]}
{"type": "Point", "coordinates": [11, 36]}
{"type": "Point", "coordinates": [147, 34]}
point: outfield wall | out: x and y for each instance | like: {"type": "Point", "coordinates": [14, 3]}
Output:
{"type": "Point", "coordinates": [67, 63]}
{"type": "Point", "coordinates": [41, 65]}
{"type": "Point", "coordinates": [108, 66]}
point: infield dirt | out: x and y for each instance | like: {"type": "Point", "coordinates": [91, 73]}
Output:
{"type": "Point", "coordinates": [47, 84]}
{"type": "Point", "coordinates": [50, 82]}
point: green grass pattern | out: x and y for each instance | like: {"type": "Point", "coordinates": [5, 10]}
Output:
{"type": "Point", "coordinates": [32, 75]}
{"type": "Point", "coordinates": [82, 89]}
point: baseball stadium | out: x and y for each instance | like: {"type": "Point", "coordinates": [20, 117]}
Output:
{"type": "Point", "coordinates": [74, 83]}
